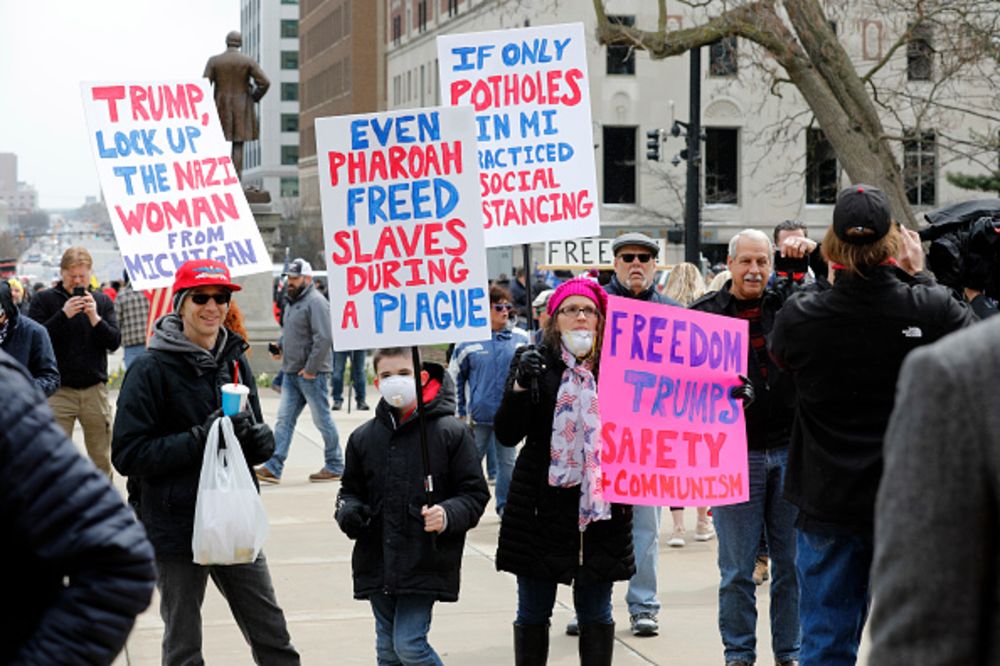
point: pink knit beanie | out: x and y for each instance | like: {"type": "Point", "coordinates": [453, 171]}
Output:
{"type": "Point", "coordinates": [579, 287]}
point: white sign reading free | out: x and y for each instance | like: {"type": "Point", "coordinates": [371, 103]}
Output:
{"type": "Point", "coordinates": [531, 95]}
{"type": "Point", "coordinates": [585, 252]}
{"type": "Point", "coordinates": [404, 244]}
{"type": "Point", "coordinates": [168, 180]}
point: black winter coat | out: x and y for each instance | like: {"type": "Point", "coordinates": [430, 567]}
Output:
{"type": "Point", "coordinates": [540, 535]}
{"type": "Point", "coordinates": [845, 347]}
{"type": "Point", "coordinates": [61, 519]}
{"type": "Point", "coordinates": [81, 349]}
{"type": "Point", "coordinates": [769, 417]}
{"type": "Point", "coordinates": [163, 397]}
{"type": "Point", "coordinates": [383, 487]}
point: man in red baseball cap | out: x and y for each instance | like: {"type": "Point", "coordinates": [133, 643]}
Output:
{"type": "Point", "coordinates": [170, 398]}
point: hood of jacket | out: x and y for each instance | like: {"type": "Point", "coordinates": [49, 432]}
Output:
{"type": "Point", "coordinates": [168, 336]}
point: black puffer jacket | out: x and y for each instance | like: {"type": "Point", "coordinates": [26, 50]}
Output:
{"type": "Point", "coordinates": [383, 487]}
{"type": "Point", "coordinates": [78, 567]}
{"type": "Point", "coordinates": [166, 394]}
{"type": "Point", "coordinates": [769, 417]}
{"type": "Point", "coordinates": [845, 347]}
{"type": "Point", "coordinates": [540, 535]}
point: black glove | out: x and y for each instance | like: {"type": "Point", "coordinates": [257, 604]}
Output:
{"type": "Point", "coordinates": [743, 392]}
{"type": "Point", "coordinates": [242, 422]}
{"type": "Point", "coordinates": [354, 519]}
{"type": "Point", "coordinates": [200, 432]}
{"type": "Point", "coordinates": [530, 365]}
{"type": "Point", "coordinates": [257, 443]}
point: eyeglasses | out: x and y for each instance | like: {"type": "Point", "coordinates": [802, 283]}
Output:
{"type": "Point", "coordinates": [220, 299]}
{"type": "Point", "coordinates": [502, 307]}
{"type": "Point", "coordinates": [630, 257]}
{"type": "Point", "coordinates": [574, 311]}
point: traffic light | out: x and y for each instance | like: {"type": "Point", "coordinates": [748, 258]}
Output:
{"type": "Point", "coordinates": [653, 145]}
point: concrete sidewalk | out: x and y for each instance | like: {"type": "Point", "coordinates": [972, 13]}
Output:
{"type": "Point", "coordinates": [310, 562]}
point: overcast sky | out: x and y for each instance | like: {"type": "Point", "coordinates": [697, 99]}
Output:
{"type": "Point", "coordinates": [47, 47]}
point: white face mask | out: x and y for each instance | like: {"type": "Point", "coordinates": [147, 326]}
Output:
{"type": "Point", "coordinates": [579, 343]}
{"type": "Point", "coordinates": [398, 390]}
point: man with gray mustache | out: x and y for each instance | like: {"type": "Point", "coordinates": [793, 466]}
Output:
{"type": "Point", "coordinates": [768, 423]}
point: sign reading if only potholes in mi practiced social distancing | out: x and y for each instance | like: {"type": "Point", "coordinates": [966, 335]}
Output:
{"type": "Point", "coordinates": [404, 246]}
{"type": "Point", "coordinates": [168, 180]}
{"type": "Point", "coordinates": [530, 92]}
{"type": "Point", "coordinates": [671, 434]}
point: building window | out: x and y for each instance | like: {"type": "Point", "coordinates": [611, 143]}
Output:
{"type": "Point", "coordinates": [289, 154]}
{"type": "Point", "coordinates": [289, 122]}
{"type": "Point", "coordinates": [289, 60]}
{"type": "Point", "coordinates": [722, 57]}
{"type": "Point", "coordinates": [289, 28]}
{"type": "Point", "coordinates": [619, 165]}
{"type": "Point", "coordinates": [289, 92]}
{"type": "Point", "coordinates": [397, 29]}
{"type": "Point", "coordinates": [822, 177]}
{"type": "Point", "coordinates": [289, 2]}
{"type": "Point", "coordinates": [621, 58]}
{"type": "Point", "coordinates": [920, 167]}
{"type": "Point", "coordinates": [289, 187]}
{"type": "Point", "coordinates": [920, 53]}
{"type": "Point", "coordinates": [452, 7]}
{"type": "Point", "coordinates": [721, 165]}
{"type": "Point", "coordinates": [422, 15]}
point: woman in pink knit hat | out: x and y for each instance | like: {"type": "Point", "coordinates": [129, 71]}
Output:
{"type": "Point", "coordinates": [557, 527]}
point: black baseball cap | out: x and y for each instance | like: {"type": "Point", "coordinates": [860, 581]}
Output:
{"type": "Point", "coordinates": [861, 215]}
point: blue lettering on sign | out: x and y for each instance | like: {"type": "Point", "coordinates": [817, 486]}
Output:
{"type": "Point", "coordinates": [416, 199]}
{"type": "Point", "coordinates": [398, 129]}
{"type": "Point", "coordinates": [464, 54]}
{"type": "Point", "coordinates": [442, 310]}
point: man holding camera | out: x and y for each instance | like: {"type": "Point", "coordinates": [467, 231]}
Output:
{"type": "Point", "coordinates": [83, 329]}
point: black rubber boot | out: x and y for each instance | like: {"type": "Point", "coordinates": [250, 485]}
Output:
{"type": "Point", "coordinates": [597, 644]}
{"type": "Point", "coordinates": [531, 644]}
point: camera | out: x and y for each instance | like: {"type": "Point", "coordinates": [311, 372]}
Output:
{"type": "Point", "coordinates": [273, 348]}
{"type": "Point", "coordinates": [79, 291]}
{"type": "Point", "coordinates": [965, 246]}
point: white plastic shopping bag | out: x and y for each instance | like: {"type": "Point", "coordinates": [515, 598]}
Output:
{"type": "Point", "coordinates": [230, 525]}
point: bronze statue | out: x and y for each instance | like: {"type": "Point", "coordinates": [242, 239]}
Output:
{"type": "Point", "coordinates": [239, 82]}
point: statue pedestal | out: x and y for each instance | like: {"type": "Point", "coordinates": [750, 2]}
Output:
{"type": "Point", "coordinates": [256, 298]}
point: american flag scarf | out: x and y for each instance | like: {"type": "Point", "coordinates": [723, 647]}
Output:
{"type": "Point", "coordinates": [576, 448]}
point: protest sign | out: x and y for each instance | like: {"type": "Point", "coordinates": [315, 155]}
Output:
{"type": "Point", "coordinates": [530, 92]}
{"type": "Point", "coordinates": [671, 434]}
{"type": "Point", "coordinates": [404, 247]}
{"type": "Point", "coordinates": [168, 180]}
{"type": "Point", "coordinates": [584, 253]}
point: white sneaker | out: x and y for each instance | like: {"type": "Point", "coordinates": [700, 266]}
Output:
{"type": "Point", "coordinates": [704, 531]}
{"type": "Point", "coordinates": [677, 538]}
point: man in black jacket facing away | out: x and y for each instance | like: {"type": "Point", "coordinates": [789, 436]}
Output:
{"type": "Point", "coordinates": [170, 398]}
{"type": "Point", "coordinates": [768, 421]}
{"type": "Point", "coordinates": [83, 329]}
{"type": "Point", "coordinates": [79, 565]}
{"type": "Point", "coordinates": [845, 347]}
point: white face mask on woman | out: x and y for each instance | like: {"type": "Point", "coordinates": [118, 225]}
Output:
{"type": "Point", "coordinates": [579, 343]}
{"type": "Point", "coordinates": [398, 390]}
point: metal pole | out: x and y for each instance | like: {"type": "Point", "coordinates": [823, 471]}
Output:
{"type": "Point", "coordinates": [425, 453]}
{"type": "Point", "coordinates": [692, 198]}
{"type": "Point", "coordinates": [526, 257]}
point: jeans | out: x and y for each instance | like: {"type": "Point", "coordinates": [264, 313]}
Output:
{"type": "Point", "coordinates": [535, 599]}
{"type": "Point", "coordinates": [738, 527]}
{"type": "Point", "coordinates": [296, 392]}
{"type": "Point", "coordinates": [132, 352]}
{"type": "Point", "coordinates": [248, 590]}
{"type": "Point", "coordinates": [641, 595]}
{"type": "Point", "coordinates": [506, 457]}
{"type": "Point", "coordinates": [358, 378]}
{"type": "Point", "coordinates": [833, 576]}
{"type": "Point", "coordinates": [401, 625]}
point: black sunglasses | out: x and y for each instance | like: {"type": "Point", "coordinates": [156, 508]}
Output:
{"type": "Point", "coordinates": [629, 258]}
{"type": "Point", "coordinates": [202, 299]}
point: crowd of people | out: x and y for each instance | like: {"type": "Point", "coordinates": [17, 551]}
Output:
{"type": "Point", "coordinates": [862, 435]}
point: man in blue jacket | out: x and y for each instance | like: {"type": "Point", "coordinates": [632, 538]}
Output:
{"type": "Point", "coordinates": [483, 366]}
{"type": "Point", "coordinates": [28, 342]}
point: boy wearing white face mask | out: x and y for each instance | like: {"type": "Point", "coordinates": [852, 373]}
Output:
{"type": "Point", "coordinates": [383, 507]}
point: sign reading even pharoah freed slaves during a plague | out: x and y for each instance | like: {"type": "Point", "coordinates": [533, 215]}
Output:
{"type": "Point", "coordinates": [536, 147]}
{"type": "Point", "coordinates": [404, 245]}
{"type": "Point", "coordinates": [168, 180]}
{"type": "Point", "coordinates": [671, 434]}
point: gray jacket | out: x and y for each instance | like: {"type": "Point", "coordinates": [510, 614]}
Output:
{"type": "Point", "coordinates": [936, 590]}
{"type": "Point", "coordinates": [307, 334]}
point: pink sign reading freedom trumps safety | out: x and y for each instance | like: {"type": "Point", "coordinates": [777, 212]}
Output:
{"type": "Point", "coordinates": [671, 434]}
